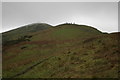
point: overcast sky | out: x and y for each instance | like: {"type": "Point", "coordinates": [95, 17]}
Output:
{"type": "Point", "coordinates": [101, 15]}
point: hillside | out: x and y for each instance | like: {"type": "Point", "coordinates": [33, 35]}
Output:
{"type": "Point", "coordinates": [63, 51]}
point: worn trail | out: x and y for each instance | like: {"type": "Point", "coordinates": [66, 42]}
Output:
{"type": "Point", "coordinates": [29, 68]}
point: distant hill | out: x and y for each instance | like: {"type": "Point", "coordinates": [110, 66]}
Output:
{"type": "Point", "coordinates": [62, 51]}
{"type": "Point", "coordinates": [23, 31]}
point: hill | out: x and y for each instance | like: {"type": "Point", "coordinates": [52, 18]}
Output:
{"type": "Point", "coordinates": [23, 31]}
{"type": "Point", "coordinates": [63, 51]}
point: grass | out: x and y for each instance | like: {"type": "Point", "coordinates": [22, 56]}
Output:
{"type": "Point", "coordinates": [76, 52]}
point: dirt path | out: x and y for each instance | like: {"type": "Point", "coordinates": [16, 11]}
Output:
{"type": "Point", "coordinates": [29, 68]}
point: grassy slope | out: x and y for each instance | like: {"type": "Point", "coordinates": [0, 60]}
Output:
{"type": "Point", "coordinates": [22, 31]}
{"type": "Point", "coordinates": [74, 51]}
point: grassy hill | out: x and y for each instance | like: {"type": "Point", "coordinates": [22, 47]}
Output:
{"type": "Point", "coordinates": [63, 51]}
{"type": "Point", "coordinates": [23, 31]}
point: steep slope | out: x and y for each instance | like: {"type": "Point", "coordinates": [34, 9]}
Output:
{"type": "Point", "coordinates": [97, 57]}
{"type": "Point", "coordinates": [66, 50]}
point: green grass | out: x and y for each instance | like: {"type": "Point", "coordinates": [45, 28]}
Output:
{"type": "Point", "coordinates": [76, 51]}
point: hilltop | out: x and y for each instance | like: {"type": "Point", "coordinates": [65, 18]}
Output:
{"type": "Point", "coordinates": [23, 31]}
{"type": "Point", "coordinates": [62, 51]}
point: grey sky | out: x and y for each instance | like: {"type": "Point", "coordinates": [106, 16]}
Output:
{"type": "Point", "coordinates": [101, 15]}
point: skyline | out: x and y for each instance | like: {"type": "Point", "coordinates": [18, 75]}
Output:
{"type": "Point", "coordinates": [100, 15]}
